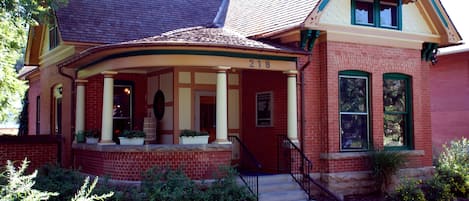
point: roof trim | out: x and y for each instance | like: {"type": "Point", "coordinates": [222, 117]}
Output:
{"type": "Point", "coordinates": [123, 48]}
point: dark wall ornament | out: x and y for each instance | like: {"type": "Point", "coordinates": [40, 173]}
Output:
{"type": "Point", "coordinates": [158, 105]}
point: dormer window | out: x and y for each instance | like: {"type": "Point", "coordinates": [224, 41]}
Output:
{"type": "Point", "coordinates": [53, 36]}
{"type": "Point", "coordinates": [377, 13]}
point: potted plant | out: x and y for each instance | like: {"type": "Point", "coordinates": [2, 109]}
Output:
{"type": "Point", "coordinates": [92, 136]}
{"type": "Point", "coordinates": [80, 136]}
{"type": "Point", "coordinates": [193, 137]}
{"type": "Point", "coordinates": [132, 137]}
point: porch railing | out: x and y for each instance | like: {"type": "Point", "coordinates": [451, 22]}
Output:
{"type": "Point", "coordinates": [293, 161]}
{"type": "Point", "coordinates": [248, 166]}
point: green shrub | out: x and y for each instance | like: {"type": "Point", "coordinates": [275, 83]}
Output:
{"type": "Point", "coordinates": [385, 164]}
{"type": "Point", "coordinates": [453, 167]}
{"type": "Point", "coordinates": [436, 190]}
{"type": "Point", "coordinates": [64, 181]}
{"type": "Point", "coordinates": [132, 133]}
{"type": "Point", "coordinates": [407, 191]}
{"type": "Point", "coordinates": [18, 187]}
{"type": "Point", "coordinates": [166, 185]}
{"type": "Point", "coordinates": [226, 188]}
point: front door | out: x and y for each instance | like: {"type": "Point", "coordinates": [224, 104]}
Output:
{"type": "Point", "coordinates": [205, 113]}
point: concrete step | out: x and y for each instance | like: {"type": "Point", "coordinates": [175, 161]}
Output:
{"type": "Point", "coordinates": [284, 195]}
{"type": "Point", "coordinates": [280, 187]}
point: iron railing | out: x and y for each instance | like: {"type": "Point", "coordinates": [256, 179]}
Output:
{"type": "Point", "coordinates": [293, 161]}
{"type": "Point", "coordinates": [247, 165]}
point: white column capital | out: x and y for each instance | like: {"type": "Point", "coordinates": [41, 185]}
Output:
{"type": "Point", "coordinates": [290, 73]}
{"type": "Point", "coordinates": [81, 82]}
{"type": "Point", "coordinates": [109, 73]}
{"type": "Point", "coordinates": [222, 69]}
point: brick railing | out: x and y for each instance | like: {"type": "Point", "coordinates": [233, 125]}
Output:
{"type": "Point", "coordinates": [39, 150]}
{"type": "Point", "coordinates": [121, 162]}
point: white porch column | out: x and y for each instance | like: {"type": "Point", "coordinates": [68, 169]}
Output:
{"type": "Point", "coordinates": [108, 102]}
{"type": "Point", "coordinates": [222, 106]}
{"type": "Point", "coordinates": [80, 106]}
{"type": "Point", "coordinates": [292, 112]}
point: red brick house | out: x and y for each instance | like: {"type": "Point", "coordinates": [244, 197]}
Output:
{"type": "Point", "coordinates": [449, 96]}
{"type": "Point", "coordinates": [337, 78]}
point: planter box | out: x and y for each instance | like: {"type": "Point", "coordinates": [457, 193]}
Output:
{"type": "Point", "coordinates": [91, 140]}
{"type": "Point", "coordinates": [193, 140]}
{"type": "Point", "coordinates": [131, 141]}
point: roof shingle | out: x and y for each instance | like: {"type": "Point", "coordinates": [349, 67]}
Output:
{"type": "Point", "coordinates": [113, 21]}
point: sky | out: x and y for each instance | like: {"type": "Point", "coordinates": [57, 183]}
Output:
{"type": "Point", "coordinates": [457, 11]}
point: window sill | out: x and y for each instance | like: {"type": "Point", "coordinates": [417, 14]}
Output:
{"type": "Point", "coordinates": [354, 155]}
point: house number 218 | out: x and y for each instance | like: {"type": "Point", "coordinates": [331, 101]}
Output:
{"type": "Point", "coordinates": [258, 63]}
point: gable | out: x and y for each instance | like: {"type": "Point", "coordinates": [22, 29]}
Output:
{"type": "Point", "coordinates": [421, 21]}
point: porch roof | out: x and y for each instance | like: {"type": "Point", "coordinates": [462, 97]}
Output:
{"type": "Point", "coordinates": [195, 37]}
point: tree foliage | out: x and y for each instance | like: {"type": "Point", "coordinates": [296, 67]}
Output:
{"type": "Point", "coordinates": [15, 18]}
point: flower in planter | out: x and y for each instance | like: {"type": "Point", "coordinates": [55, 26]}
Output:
{"type": "Point", "coordinates": [93, 133]}
{"type": "Point", "coordinates": [132, 133]}
{"type": "Point", "coordinates": [192, 133]}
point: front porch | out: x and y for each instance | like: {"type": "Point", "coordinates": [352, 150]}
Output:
{"type": "Point", "coordinates": [242, 91]}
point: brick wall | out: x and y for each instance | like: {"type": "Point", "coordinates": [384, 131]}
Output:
{"type": "Point", "coordinates": [321, 99]}
{"type": "Point", "coordinates": [39, 150]}
{"type": "Point", "coordinates": [449, 98]}
{"type": "Point", "coordinates": [262, 141]}
{"type": "Point", "coordinates": [129, 165]}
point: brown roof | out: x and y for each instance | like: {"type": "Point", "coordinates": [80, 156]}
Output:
{"type": "Point", "coordinates": [213, 37]}
{"type": "Point", "coordinates": [253, 17]}
{"type": "Point", "coordinates": [113, 21]}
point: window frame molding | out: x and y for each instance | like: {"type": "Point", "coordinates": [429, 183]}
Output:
{"type": "Point", "coordinates": [357, 74]}
{"type": "Point", "coordinates": [409, 130]}
{"type": "Point", "coordinates": [377, 15]}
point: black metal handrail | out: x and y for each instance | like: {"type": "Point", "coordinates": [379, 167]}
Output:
{"type": "Point", "coordinates": [248, 165]}
{"type": "Point", "coordinates": [299, 167]}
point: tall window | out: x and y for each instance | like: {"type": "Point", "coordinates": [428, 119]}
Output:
{"type": "Point", "coordinates": [53, 36]}
{"type": "Point", "coordinates": [38, 114]}
{"type": "Point", "coordinates": [377, 13]}
{"type": "Point", "coordinates": [354, 111]}
{"type": "Point", "coordinates": [57, 107]}
{"type": "Point", "coordinates": [122, 108]}
{"type": "Point", "coordinates": [397, 111]}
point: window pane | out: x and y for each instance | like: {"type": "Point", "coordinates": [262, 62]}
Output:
{"type": "Point", "coordinates": [394, 95]}
{"type": "Point", "coordinates": [353, 94]}
{"type": "Point", "coordinates": [354, 131]}
{"type": "Point", "coordinates": [364, 12]}
{"type": "Point", "coordinates": [394, 129]}
{"type": "Point", "coordinates": [388, 15]}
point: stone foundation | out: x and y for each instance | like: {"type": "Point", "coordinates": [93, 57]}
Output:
{"type": "Point", "coordinates": [359, 183]}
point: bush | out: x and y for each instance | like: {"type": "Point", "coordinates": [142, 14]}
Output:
{"type": "Point", "coordinates": [132, 133]}
{"type": "Point", "coordinates": [165, 184]}
{"type": "Point", "coordinates": [453, 167]}
{"type": "Point", "coordinates": [226, 188]}
{"type": "Point", "coordinates": [436, 190]}
{"type": "Point", "coordinates": [407, 191]}
{"type": "Point", "coordinates": [385, 164]}
{"type": "Point", "coordinates": [64, 181]}
{"type": "Point", "coordinates": [17, 187]}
